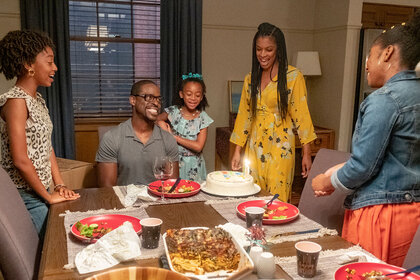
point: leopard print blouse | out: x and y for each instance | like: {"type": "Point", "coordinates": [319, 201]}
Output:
{"type": "Point", "coordinates": [38, 130]}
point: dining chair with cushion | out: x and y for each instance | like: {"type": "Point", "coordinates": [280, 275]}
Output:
{"type": "Point", "coordinates": [327, 210]}
{"type": "Point", "coordinates": [19, 242]}
{"type": "Point", "coordinates": [413, 256]}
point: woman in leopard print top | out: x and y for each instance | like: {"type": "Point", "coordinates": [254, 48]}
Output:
{"type": "Point", "coordinates": [25, 126]}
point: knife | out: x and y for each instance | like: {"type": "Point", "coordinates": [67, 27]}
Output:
{"type": "Point", "coordinates": [175, 184]}
{"type": "Point", "coordinates": [296, 232]}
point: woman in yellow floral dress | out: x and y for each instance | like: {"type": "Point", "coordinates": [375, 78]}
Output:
{"type": "Point", "coordinates": [273, 102]}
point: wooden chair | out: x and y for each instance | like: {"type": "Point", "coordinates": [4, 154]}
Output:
{"type": "Point", "coordinates": [19, 242]}
{"type": "Point", "coordinates": [413, 255]}
{"type": "Point", "coordinates": [328, 210]}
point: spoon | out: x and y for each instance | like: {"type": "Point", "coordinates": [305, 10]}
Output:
{"type": "Point", "coordinates": [270, 201]}
{"type": "Point", "coordinates": [417, 267]}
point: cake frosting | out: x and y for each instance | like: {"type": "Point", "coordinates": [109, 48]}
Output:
{"type": "Point", "coordinates": [230, 183]}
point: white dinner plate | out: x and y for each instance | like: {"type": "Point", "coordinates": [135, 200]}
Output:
{"type": "Point", "coordinates": [256, 190]}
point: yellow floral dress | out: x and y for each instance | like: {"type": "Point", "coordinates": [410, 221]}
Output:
{"type": "Point", "coordinates": [269, 140]}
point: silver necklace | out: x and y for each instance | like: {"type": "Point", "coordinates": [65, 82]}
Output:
{"type": "Point", "coordinates": [188, 114]}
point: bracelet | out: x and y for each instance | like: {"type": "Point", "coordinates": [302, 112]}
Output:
{"type": "Point", "coordinates": [59, 186]}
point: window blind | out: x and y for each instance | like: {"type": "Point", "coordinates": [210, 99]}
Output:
{"type": "Point", "coordinates": [112, 45]}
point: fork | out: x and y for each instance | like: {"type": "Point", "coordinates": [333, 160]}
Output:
{"type": "Point", "coordinates": [270, 201]}
{"type": "Point", "coordinates": [405, 271]}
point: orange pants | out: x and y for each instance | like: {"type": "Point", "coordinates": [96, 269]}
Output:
{"type": "Point", "coordinates": [385, 230]}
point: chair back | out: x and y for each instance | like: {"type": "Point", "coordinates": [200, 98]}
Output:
{"type": "Point", "coordinates": [327, 210]}
{"type": "Point", "coordinates": [413, 256]}
{"type": "Point", "coordinates": [19, 241]}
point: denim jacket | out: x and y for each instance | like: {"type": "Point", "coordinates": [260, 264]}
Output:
{"type": "Point", "coordinates": [384, 166]}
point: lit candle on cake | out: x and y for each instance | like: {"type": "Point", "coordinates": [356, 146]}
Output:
{"type": "Point", "coordinates": [246, 167]}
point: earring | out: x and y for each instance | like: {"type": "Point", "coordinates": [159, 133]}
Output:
{"type": "Point", "coordinates": [389, 66]}
{"type": "Point", "coordinates": [31, 72]}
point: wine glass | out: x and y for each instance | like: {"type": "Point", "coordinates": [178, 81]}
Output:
{"type": "Point", "coordinates": [162, 169]}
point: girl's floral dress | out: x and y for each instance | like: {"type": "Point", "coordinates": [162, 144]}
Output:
{"type": "Point", "coordinates": [191, 164]}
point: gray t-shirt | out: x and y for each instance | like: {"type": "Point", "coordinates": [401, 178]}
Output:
{"type": "Point", "coordinates": [135, 159]}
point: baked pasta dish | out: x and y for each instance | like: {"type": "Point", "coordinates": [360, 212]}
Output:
{"type": "Point", "coordinates": [201, 250]}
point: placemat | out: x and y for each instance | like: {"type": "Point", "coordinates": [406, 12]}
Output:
{"type": "Point", "coordinates": [290, 231]}
{"type": "Point", "coordinates": [74, 245]}
{"type": "Point", "coordinates": [328, 262]}
{"type": "Point", "coordinates": [121, 192]}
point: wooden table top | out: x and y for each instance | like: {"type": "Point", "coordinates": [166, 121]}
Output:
{"type": "Point", "coordinates": [54, 252]}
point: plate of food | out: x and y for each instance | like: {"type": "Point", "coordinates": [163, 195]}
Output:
{"type": "Point", "coordinates": [277, 213]}
{"type": "Point", "coordinates": [367, 271]}
{"type": "Point", "coordinates": [90, 229]}
{"type": "Point", "coordinates": [185, 188]}
{"type": "Point", "coordinates": [203, 253]}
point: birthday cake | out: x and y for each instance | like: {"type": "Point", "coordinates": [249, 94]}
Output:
{"type": "Point", "coordinates": [230, 183]}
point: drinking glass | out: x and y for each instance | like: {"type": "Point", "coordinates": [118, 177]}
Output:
{"type": "Point", "coordinates": [162, 169]}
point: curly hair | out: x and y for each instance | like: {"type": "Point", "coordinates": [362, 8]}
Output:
{"type": "Point", "coordinates": [268, 30]}
{"type": "Point", "coordinates": [21, 47]}
{"type": "Point", "coordinates": [407, 37]}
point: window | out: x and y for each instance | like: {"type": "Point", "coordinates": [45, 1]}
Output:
{"type": "Point", "coordinates": [112, 45]}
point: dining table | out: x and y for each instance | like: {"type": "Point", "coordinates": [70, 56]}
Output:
{"type": "Point", "coordinates": [175, 215]}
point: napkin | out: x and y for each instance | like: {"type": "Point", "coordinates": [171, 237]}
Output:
{"type": "Point", "coordinates": [238, 232]}
{"type": "Point", "coordinates": [137, 191]}
{"type": "Point", "coordinates": [356, 256]}
{"type": "Point", "coordinates": [121, 244]}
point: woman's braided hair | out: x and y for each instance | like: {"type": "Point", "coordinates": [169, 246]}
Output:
{"type": "Point", "coordinates": [407, 38]}
{"type": "Point", "coordinates": [268, 30]}
{"type": "Point", "coordinates": [21, 47]}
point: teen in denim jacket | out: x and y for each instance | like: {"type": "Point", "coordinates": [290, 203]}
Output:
{"type": "Point", "coordinates": [382, 177]}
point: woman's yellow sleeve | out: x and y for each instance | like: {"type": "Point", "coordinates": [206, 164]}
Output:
{"type": "Point", "coordinates": [298, 109]}
{"type": "Point", "coordinates": [243, 120]}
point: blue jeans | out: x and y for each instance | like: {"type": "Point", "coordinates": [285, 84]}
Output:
{"type": "Point", "coordinates": [37, 208]}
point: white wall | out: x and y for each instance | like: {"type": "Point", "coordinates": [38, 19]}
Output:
{"type": "Point", "coordinates": [336, 37]}
{"type": "Point", "coordinates": [9, 20]}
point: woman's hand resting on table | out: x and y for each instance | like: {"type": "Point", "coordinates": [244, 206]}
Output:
{"type": "Point", "coordinates": [61, 194]}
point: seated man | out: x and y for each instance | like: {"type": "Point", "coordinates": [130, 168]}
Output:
{"type": "Point", "coordinates": [127, 152]}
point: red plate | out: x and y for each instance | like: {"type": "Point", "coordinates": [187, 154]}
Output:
{"type": "Point", "coordinates": [153, 188]}
{"type": "Point", "coordinates": [105, 221]}
{"type": "Point", "coordinates": [291, 213]}
{"type": "Point", "coordinates": [364, 267]}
